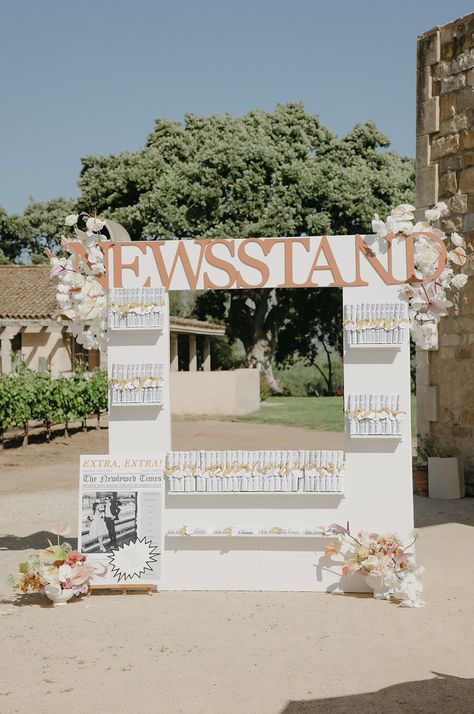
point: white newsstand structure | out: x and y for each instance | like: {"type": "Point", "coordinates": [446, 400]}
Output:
{"type": "Point", "coordinates": [278, 551]}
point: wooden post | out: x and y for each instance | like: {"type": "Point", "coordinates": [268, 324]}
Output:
{"type": "Point", "coordinates": [124, 588]}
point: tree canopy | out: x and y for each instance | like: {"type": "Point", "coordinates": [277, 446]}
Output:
{"type": "Point", "coordinates": [278, 173]}
{"type": "Point", "coordinates": [41, 224]}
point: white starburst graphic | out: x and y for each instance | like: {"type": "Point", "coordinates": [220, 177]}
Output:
{"type": "Point", "coordinates": [133, 559]}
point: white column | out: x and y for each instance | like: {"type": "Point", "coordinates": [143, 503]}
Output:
{"type": "Point", "coordinates": [6, 337]}
{"type": "Point", "coordinates": [192, 353]}
{"type": "Point", "coordinates": [6, 346]}
{"type": "Point", "coordinates": [174, 355]}
{"type": "Point", "coordinates": [206, 365]}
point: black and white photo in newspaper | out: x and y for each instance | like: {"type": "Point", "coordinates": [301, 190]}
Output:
{"type": "Point", "coordinates": [121, 503]}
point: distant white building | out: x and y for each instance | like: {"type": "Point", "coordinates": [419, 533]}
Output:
{"type": "Point", "coordinates": [33, 331]}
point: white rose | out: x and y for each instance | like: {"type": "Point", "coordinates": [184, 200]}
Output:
{"type": "Point", "coordinates": [72, 219]}
{"type": "Point", "coordinates": [435, 213]}
{"type": "Point", "coordinates": [395, 225]}
{"type": "Point", "coordinates": [92, 287]}
{"type": "Point", "coordinates": [88, 309]}
{"type": "Point", "coordinates": [95, 224]}
{"type": "Point", "coordinates": [425, 335]}
{"type": "Point", "coordinates": [76, 280]}
{"type": "Point", "coordinates": [459, 281]}
{"type": "Point", "coordinates": [95, 254]}
{"type": "Point", "coordinates": [403, 212]}
{"type": "Point", "coordinates": [432, 214]}
{"type": "Point", "coordinates": [98, 269]}
{"type": "Point", "coordinates": [408, 291]}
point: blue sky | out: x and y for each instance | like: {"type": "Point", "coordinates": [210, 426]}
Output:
{"type": "Point", "coordinates": [90, 77]}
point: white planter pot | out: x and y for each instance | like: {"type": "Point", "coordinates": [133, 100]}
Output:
{"type": "Point", "coordinates": [445, 477]}
{"type": "Point", "coordinates": [58, 597]}
{"type": "Point", "coordinates": [379, 586]}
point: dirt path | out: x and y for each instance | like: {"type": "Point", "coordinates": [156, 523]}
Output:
{"type": "Point", "coordinates": [228, 653]}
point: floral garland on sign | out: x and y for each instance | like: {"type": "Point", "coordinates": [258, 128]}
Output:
{"type": "Point", "coordinates": [80, 295]}
{"type": "Point", "coordinates": [139, 308]}
{"type": "Point", "coordinates": [375, 414]}
{"type": "Point", "coordinates": [427, 301]}
{"type": "Point", "coordinates": [375, 323]}
{"type": "Point", "coordinates": [135, 383]}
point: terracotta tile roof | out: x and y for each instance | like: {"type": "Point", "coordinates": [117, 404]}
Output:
{"type": "Point", "coordinates": [189, 323]}
{"type": "Point", "coordinates": [28, 292]}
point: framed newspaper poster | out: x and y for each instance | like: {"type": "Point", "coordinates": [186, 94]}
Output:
{"type": "Point", "coordinates": [121, 505]}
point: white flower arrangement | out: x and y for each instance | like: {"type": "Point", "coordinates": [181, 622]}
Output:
{"type": "Point", "coordinates": [383, 558]}
{"type": "Point", "coordinates": [428, 301]}
{"type": "Point", "coordinates": [80, 294]}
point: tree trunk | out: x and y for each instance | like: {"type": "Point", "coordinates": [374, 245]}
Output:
{"type": "Point", "coordinates": [25, 436]}
{"type": "Point", "coordinates": [329, 377]}
{"type": "Point", "coordinates": [260, 340]}
{"type": "Point", "coordinates": [2, 439]}
{"type": "Point", "coordinates": [66, 430]}
{"type": "Point", "coordinates": [48, 431]}
{"type": "Point", "coordinates": [261, 354]}
{"type": "Point", "coordinates": [97, 424]}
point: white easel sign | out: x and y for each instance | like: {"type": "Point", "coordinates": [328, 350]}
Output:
{"type": "Point", "coordinates": [121, 517]}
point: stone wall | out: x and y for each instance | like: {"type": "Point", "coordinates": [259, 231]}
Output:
{"type": "Point", "coordinates": [445, 172]}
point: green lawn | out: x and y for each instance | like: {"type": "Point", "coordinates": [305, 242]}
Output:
{"type": "Point", "coordinates": [321, 413]}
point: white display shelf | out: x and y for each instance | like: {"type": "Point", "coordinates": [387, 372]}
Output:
{"type": "Point", "coordinates": [375, 346]}
{"type": "Point", "coordinates": [136, 329]}
{"type": "Point", "coordinates": [340, 494]}
{"type": "Point", "coordinates": [248, 535]}
{"type": "Point", "coordinates": [397, 437]}
{"type": "Point", "coordinates": [136, 404]}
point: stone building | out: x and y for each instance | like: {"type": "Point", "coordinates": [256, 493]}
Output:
{"type": "Point", "coordinates": [445, 172]}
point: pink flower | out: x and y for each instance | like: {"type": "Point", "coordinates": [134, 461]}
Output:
{"type": "Point", "coordinates": [67, 584]}
{"type": "Point", "coordinates": [458, 255]}
{"type": "Point", "coordinates": [337, 528]}
{"type": "Point", "coordinates": [81, 574]}
{"type": "Point", "coordinates": [408, 291]}
{"type": "Point", "coordinates": [58, 270]}
{"type": "Point", "coordinates": [75, 557]}
{"type": "Point", "coordinates": [346, 569]}
{"type": "Point", "coordinates": [436, 308]}
{"type": "Point", "coordinates": [331, 549]}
